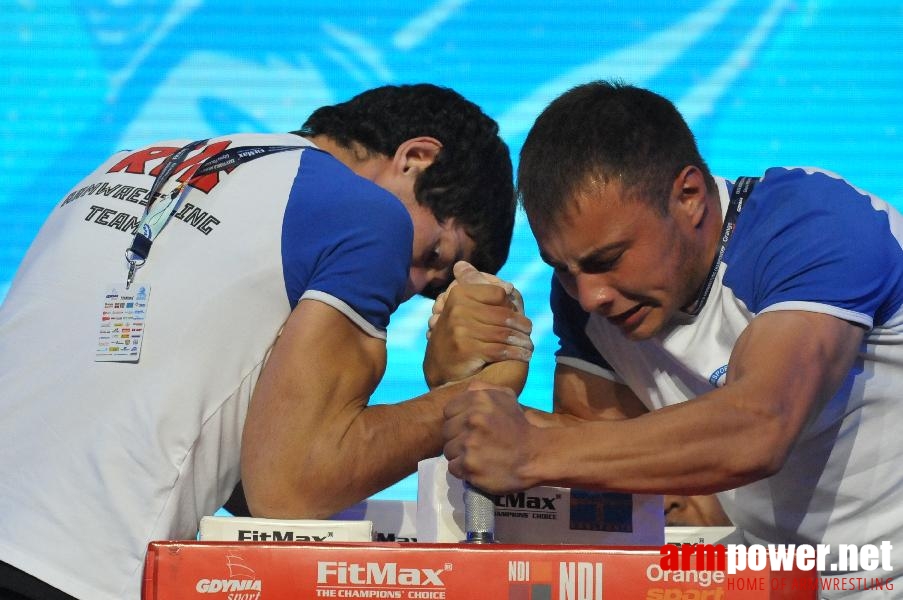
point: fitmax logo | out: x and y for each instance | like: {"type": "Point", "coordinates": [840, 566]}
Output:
{"type": "Point", "coordinates": [522, 500]}
{"type": "Point", "coordinates": [252, 535]}
{"type": "Point", "coordinates": [372, 573]}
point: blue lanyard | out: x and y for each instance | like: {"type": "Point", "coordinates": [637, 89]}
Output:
{"type": "Point", "coordinates": [158, 213]}
{"type": "Point", "coordinates": [742, 189]}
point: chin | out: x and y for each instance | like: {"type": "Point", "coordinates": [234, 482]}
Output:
{"type": "Point", "coordinates": [648, 328]}
{"type": "Point", "coordinates": [639, 335]}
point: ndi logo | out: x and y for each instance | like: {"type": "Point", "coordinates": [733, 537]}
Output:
{"type": "Point", "coordinates": [518, 570]}
{"type": "Point", "coordinates": [535, 580]}
{"type": "Point", "coordinates": [531, 580]}
{"type": "Point", "coordinates": [580, 581]}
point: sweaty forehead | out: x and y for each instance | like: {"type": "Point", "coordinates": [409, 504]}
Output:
{"type": "Point", "coordinates": [593, 220]}
{"type": "Point", "coordinates": [589, 191]}
{"type": "Point", "coordinates": [571, 208]}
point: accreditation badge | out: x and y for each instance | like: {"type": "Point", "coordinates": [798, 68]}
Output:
{"type": "Point", "coordinates": [122, 323]}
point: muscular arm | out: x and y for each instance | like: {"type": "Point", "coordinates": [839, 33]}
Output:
{"type": "Point", "coordinates": [593, 398]}
{"type": "Point", "coordinates": [581, 396]}
{"type": "Point", "coordinates": [311, 445]}
{"type": "Point", "coordinates": [783, 368]}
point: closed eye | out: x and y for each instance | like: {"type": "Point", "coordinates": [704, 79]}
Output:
{"type": "Point", "coordinates": [433, 258]}
{"type": "Point", "coordinates": [600, 264]}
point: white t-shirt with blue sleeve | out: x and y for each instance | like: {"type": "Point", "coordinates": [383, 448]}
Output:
{"type": "Point", "coordinates": [99, 458]}
{"type": "Point", "coordinates": [805, 240]}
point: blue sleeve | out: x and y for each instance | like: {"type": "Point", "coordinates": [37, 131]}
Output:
{"type": "Point", "coordinates": [569, 325]}
{"type": "Point", "coordinates": [809, 238]}
{"type": "Point", "coordinates": [345, 238]}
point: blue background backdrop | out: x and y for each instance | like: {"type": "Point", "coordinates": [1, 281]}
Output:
{"type": "Point", "coordinates": [814, 83]}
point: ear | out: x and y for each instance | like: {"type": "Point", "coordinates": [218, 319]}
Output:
{"type": "Point", "coordinates": [688, 195]}
{"type": "Point", "coordinates": [415, 155]}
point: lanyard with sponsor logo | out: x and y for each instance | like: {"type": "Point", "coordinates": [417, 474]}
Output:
{"type": "Point", "coordinates": [160, 209]}
{"type": "Point", "coordinates": [121, 329]}
{"type": "Point", "coordinates": [742, 189]}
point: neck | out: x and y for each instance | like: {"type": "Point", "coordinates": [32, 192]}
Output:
{"type": "Point", "coordinates": [713, 221]}
{"type": "Point", "coordinates": [710, 230]}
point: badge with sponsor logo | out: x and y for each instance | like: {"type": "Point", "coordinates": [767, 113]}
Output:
{"type": "Point", "coordinates": [122, 323]}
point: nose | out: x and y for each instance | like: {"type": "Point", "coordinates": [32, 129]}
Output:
{"type": "Point", "coordinates": [417, 278]}
{"type": "Point", "coordinates": [674, 506]}
{"type": "Point", "coordinates": [593, 292]}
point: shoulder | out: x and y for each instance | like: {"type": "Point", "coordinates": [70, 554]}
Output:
{"type": "Point", "coordinates": [801, 206]}
{"type": "Point", "coordinates": [327, 190]}
{"type": "Point", "coordinates": [804, 194]}
{"type": "Point", "coordinates": [345, 240]}
{"type": "Point", "coordinates": [808, 236]}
